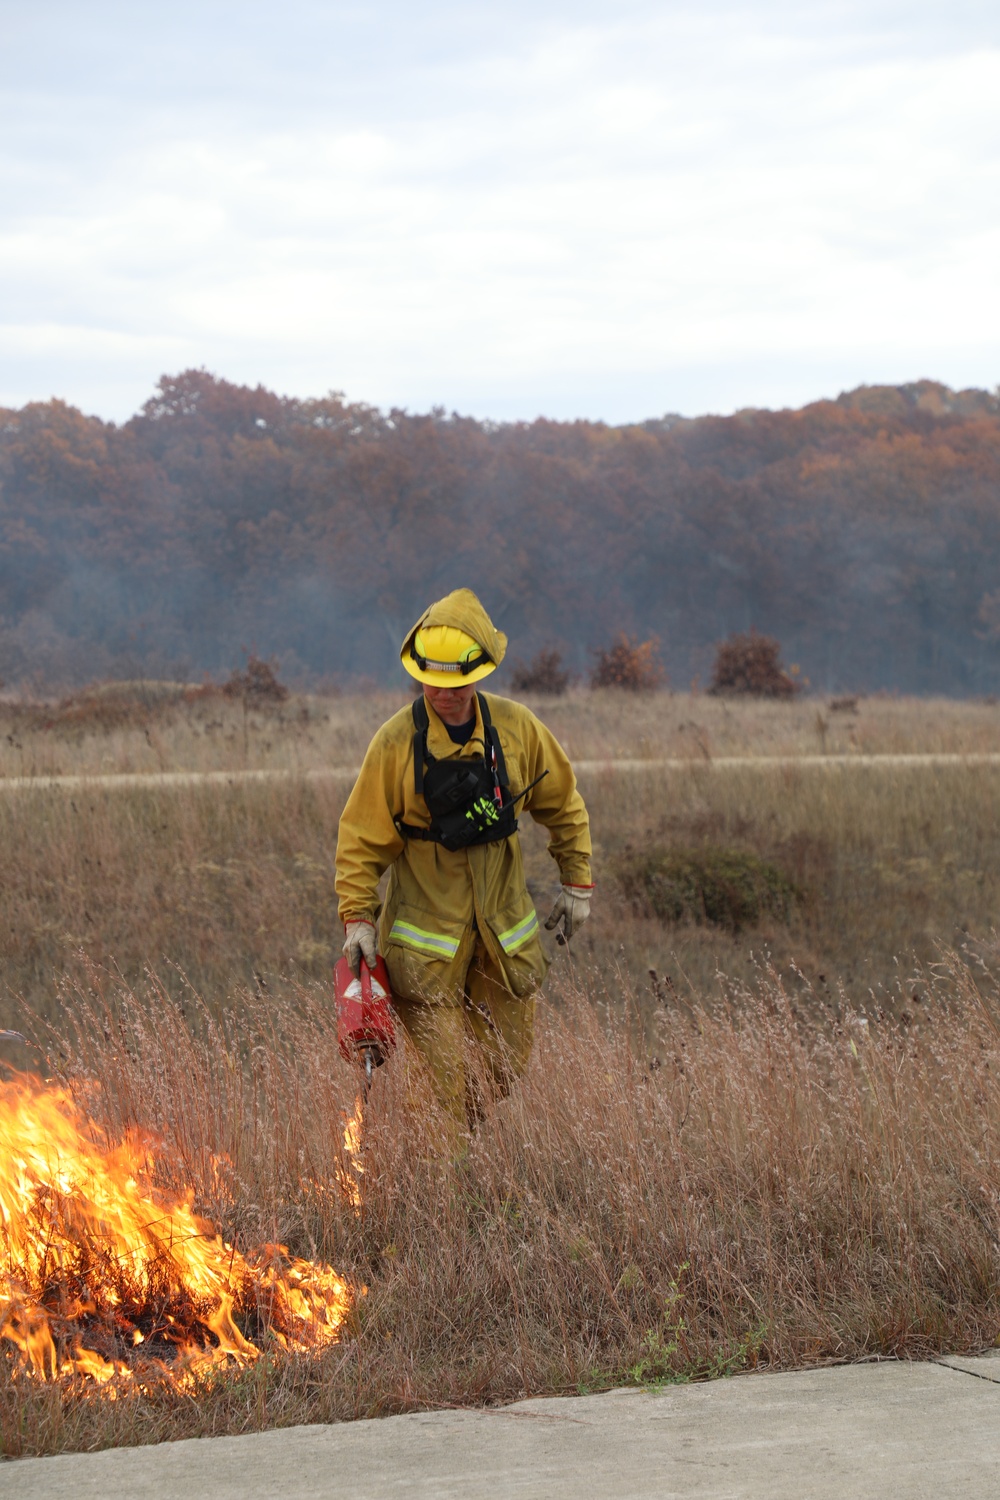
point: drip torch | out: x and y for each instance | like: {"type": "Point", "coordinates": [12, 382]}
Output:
{"type": "Point", "coordinates": [365, 1027]}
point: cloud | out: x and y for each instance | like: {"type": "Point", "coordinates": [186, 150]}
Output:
{"type": "Point", "coordinates": [595, 210]}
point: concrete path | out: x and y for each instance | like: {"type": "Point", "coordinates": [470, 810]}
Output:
{"type": "Point", "coordinates": [129, 780]}
{"type": "Point", "coordinates": [909, 1430]}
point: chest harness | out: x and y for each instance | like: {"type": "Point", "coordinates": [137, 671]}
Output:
{"type": "Point", "coordinates": [468, 797]}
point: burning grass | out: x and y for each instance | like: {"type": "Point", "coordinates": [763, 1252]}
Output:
{"type": "Point", "coordinates": [104, 1277]}
{"type": "Point", "coordinates": [770, 1182]}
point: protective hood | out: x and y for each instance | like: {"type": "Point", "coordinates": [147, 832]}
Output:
{"type": "Point", "coordinates": [459, 610]}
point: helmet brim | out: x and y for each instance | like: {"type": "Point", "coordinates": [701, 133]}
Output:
{"type": "Point", "coordinates": [445, 679]}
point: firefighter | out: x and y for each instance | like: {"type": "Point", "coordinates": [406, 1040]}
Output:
{"type": "Point", "coordinates": [436, 804]}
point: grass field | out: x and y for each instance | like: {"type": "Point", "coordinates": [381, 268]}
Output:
{"type": "Point", "coordinates": [233, 884]}
{"type": "Point", "coordinates": [700, 1175]}
{"type": "Point", "coordinates": [162, 726]}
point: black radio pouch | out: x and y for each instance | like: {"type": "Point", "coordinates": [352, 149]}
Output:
{"type": "Point", "coordinates": [469, 799]}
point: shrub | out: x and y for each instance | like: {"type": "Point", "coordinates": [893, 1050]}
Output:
{"type": "Point", "coordinates": [725, 887]}
{"type": "Point", "coordinates": [258, 683]}
{"type": "Point", "coordinates": [749, 664]}
{"type": "Point", "coordinates": [628, 664]}
{"type": "Point", "coordinates": [545, 674]}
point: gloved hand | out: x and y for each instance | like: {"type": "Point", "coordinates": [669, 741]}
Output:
{"type": "Point", "coordinates": [360, 944]}
{"type": "Point", "coordinates": [572, 908]}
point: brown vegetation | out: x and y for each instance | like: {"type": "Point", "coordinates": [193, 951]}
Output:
{"type": "Point", "coordinates": [628, 664]}
{"type": "Point", "coordinates": [749, 666]}
{"type": "Point", "coordinates": [156, 726]}
{"type": "Point", "coordinates": [729, 888]}
{"type": "Point", "coordinates": [750, 1187]}
{"type": "Point", "coordinates": [792, 1165]}
{"type": "Point", "coordinates": [231, 879]}
{"type": "Point", "coordinates": [257, 683]}
{"type": "Point", "coordinates": [545, 674]}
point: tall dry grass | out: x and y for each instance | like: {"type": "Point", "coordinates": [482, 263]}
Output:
{"type": "Point", "coordinates": [694, 1177]}
{"type": "Point", "coordinates": [889, 860]}
{"type": "Point", "coordinates": [222, 883]}
{"type": "Point", "coordinates": [226, 882]}
{"type": "Point", "coordinates": [150, 727]}
{"type": "Point", "coordinates": [752, 1188]}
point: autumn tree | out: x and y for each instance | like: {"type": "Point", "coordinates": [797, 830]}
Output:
{"type": "Point", "coordinates": [863, 533]}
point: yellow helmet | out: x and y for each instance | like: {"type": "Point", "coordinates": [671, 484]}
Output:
{"type": "Point", "coordinates": [444, 656]}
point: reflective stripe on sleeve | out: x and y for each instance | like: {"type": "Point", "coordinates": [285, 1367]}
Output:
{"type": "Point", "coordinates": [516, 937]}
{"type": "Point", "coordinates": [427, 942]}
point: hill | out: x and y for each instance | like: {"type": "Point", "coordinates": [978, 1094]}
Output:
{"type": "Point", "coordinates": [864, 532]}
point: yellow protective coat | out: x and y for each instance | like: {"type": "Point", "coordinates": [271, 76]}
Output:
{"type": "Point", "coordinates": [438, 899]}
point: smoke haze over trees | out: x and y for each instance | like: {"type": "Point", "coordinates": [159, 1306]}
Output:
{"type": "Point", "coordinates": [863, 533]}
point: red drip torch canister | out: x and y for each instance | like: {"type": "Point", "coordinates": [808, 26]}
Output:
{"type": "Point", "coordinates": [365, 1028]}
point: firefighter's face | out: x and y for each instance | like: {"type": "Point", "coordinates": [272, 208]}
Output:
{"type": "Point", "coordinates": [452, 705]}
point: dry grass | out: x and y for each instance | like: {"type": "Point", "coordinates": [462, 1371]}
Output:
{"type": "Point", "coordinates": [891, 861]}
{"type": "Point", "coordinates": [229, 882]}
{"type": "Point", "coordinates": [148, 727]}
{"type": "Point", "coordinates": [752, 1188]}
{"type": "Point", "coordinates": [165, 726]}
{"type": "Point", "coordinates": [695, 1177]}
{"type": "Point", "coordinates": [700, 727]}
{"type": "Point", "coordinates": [223, 883]}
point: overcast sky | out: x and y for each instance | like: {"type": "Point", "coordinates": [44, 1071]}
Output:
{"type": "Point", "coordinates": [587, 209]}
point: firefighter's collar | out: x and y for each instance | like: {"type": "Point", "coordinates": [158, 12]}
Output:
{"type": "Point", "coordinates": [440, 743]}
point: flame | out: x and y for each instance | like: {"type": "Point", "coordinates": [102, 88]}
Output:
{"type": "Point", "coordinates": [350, 1176]}
{"type": "Point", "coordinates": [98, 1271]}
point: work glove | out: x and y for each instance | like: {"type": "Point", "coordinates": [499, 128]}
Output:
{"type": "Point", "coordinates": [360, 944]}
{"type": "Point", "coordinates": [572, 908]}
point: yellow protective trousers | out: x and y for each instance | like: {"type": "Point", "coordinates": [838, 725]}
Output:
{"type": "Point", "coordinates": [474, 1044]}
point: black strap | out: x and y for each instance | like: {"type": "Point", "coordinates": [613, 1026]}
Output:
{"type": "Point", "coordinates": [464, 667]}
{"type": "Point", "coordinates": [421, 725]}
{"type": "Point", "coordinates": [427, 834]}
{"type": "Point", "coordinates": [493, 752]}
{"type": "Point", "coordinates": [495, 767]}
{"type": "Point", "coordinates": [409, 832]}
{"type": "Point", "coordinates": [421, 754]}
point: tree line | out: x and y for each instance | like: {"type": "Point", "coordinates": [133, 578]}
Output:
{"type": "Point", "coordinates": [862, 532]}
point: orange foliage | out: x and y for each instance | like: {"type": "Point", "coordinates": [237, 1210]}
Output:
{"type": "Point", "coordinates": [864, 533]}
{"type": "Point", "coordinates": [628, 664]}
{"type": "Point", "coordinates": [749, 666]}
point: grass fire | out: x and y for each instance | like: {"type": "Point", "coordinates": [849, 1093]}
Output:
{"type": "Point", "coordinates": [781, 1152]}
{"type": "Point", "coordinates": [103, 1277]}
